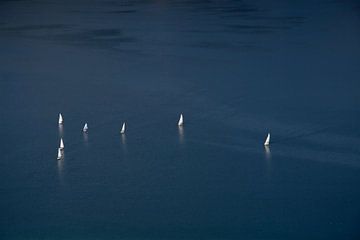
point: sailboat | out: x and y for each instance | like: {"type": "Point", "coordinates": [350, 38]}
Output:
{"type": "Point", "coordinates": [61, 144]}
{"type": "Point", "coordinates": [61, 120]}
{"type": "Point", "coordinates": [85, 129]}
{"type": "Point", "coordinates": [267, 141]}
{"type": "Point", "coordinates": [123, 129]}
{"type": "Point", "coordinates": [59, 156]}
{"type": "Point", "coordinates": [181, 120]}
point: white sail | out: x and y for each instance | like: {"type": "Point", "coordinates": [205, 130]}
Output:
{"type": "Point", "coordinates": [61, 120]}
{"type": "Point", "coordinates": [267, 141]}
{"type": "Point", "coordinates": [59, 154]}
{"type": "Point", "coordinates": [61, 144]}
{"type": "Point", "coordinates": [85, 127]}
{"type": "Point", "coordinates": [181, 120]}
{"type": "Point", "coordinates": [123, 128]}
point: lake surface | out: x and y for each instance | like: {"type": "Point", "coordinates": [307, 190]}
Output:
{"type": "Point", "coordinates": [236, 70]}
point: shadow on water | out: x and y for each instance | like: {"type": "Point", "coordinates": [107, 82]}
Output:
{"type": "Point", "coordinates": [67, 34]}
{"type": "Point", "coordinates": [121, 11]}
{"type": "Point", "coordinates": [107, 37]}
{"type": "Point", "coordinates": [35, 27]}
{"type": "Point", "coordinates": [214, 187]}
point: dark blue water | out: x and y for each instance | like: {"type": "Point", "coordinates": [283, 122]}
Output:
{"type": "Point", "coordinates": [236, 69]}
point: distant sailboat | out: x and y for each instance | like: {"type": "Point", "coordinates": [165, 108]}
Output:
{"type": "Point", "coordinates": [85, 129]}
{"type": "Point", "coordinates": [61, 120]}
{"type": "Point", "coordinates": [61, 144]}
{"type": "Point", "coordinates": [267, 141]}
{"type": "Point", "coordinates": [123, 129]}
{"type": "Point", "coordinates": [59, 156]}
{"type": "Point", "coordinates": [181, 120]}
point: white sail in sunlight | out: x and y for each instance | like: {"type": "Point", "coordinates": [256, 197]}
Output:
{"type": "Point", "coordinates": [59, 154]}
{"type": "Point", "coordinates": [61, 120]}
{"type": "Point", "coordinates": [123, 129]}
{"type": "Point", "coordinates": [61, 144]}
{"type": "Point", "coordinates": [267, 141]}
{"type": "Point", "coordinates": [181, 120]}
{"type": "Point", "coordinates": [85, 129]}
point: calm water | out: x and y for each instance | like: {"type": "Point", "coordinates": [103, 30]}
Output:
{"type": "Point", "coordinates": [236, 69]}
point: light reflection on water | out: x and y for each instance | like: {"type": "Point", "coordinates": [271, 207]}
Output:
{"type": "Point", "coordinates": [267, 152]}
{"type": "Point", "coordinates": [86, 138]}
{"type": "Point", "coordinates": [123, 142]}
{"type": "Point", "coordinates": [60, 168]}
{"type": "Point", "coordinates": [181, 134]}
{"type": "Point", "coordinates": [229, 64]}
{"type": "Point", "coordinates": [61, 130]}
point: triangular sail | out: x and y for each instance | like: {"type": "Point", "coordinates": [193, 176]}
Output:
{"type": "Point", "coordinates": [267, 141]}
{"type": "Point", "coordinates": [61, 144]}
{"type": "Point", "coordinates": [61, 120]}
{"type": "Point", "coordinates": [59, 154]}
{"type": "Point", "coordinates": [181, 120]}
{"type": "Point", "coordinates": [123, 128]}
{"type": "Point", "coordinates": [85, 127]}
